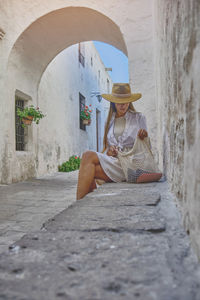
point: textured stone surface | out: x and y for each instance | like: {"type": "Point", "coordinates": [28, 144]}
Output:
{"type": "Point", "coordinates": [177, 55]}
{"type": "Point", "coordinates": [25, 206]}
{"type": "Point", "coordinates": [108, 218]}
{"type": "Point", "coordinates": [101, 248]}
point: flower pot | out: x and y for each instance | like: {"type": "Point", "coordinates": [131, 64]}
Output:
{"type": "Point", "coordinates": [86, 122]}
{"type": "Point", "coordinates": [28, 120]}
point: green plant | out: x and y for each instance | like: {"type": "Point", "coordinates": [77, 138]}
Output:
{"type": "Point", "coordinates": [86, 113]}
{"type": "Point", "coordinates": [71, 165]}
{"type": "Point", "coordinates": [30, 111]}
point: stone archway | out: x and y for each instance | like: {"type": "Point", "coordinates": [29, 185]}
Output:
{"type": "Point", "coordinates": [52, 33]}
{"type": "Point", "coordinates": [33, 41]}
{"type": "Point", "coordinates": [33, 51]}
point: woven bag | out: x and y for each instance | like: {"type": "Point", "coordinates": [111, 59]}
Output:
{"type": "Point", "coordinates": [138, 164]}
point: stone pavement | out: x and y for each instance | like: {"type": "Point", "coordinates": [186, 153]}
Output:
{"type": "Point", "coordinates": [25, 206]}
{"type": "Point", "coordinates": [123, 241]}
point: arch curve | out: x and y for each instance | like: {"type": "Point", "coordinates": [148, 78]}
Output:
{"type": "Point", "coordinates": [50, 34]}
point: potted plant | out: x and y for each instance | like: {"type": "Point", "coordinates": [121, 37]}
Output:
{"type": "Point", "coordinates": [29, 114]}
{"type": "Point", "coordinates": [71, 165]}
{"type": "Point", "coordinates": [86, 115]}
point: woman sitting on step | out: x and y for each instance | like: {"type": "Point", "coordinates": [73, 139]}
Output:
{"type": "Point", "coordinates": [123, 125]}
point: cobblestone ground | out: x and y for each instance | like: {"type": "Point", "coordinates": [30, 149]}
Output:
{"type": "Point", "coordinates": [123, 241]}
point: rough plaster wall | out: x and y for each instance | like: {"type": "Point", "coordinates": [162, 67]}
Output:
{"type": "Point", "coordinates": [141, 64]}
{"type": "Point", "coordinates": [178, 73]}
{"type": "Point", "coordinates": [59, 134]}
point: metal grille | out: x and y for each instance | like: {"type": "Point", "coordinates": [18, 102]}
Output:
{"type": "Point", "coordinates": [81, 107]}
{"type": "Point", "coordinates": [19, 130]}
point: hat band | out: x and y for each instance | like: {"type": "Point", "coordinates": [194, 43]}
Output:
{"type": "Point", "coordinates": [121, 95]}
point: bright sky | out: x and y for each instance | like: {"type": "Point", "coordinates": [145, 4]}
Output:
{"type": "Point", "coordinates": [115, 59]}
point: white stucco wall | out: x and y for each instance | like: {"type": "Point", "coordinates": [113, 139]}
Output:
{"type": "Point", "coordinates": [47, 27]}
{"type": "Point", "coordinates": [142, 64]}
{"type": "Point", "coordinates": [59, 134]}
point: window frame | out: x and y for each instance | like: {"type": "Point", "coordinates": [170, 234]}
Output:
{"type": "Point", "coordinates": [81, 105]}
{"type": "Point", "coordinates": [19, 95]}
{"type": "Point", "coordinates": [19, 130]}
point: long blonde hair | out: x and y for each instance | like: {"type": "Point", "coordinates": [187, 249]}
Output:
{"type": "Point", "coordinates": [111, 110]}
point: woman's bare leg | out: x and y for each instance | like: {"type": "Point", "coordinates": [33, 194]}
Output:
{"type": "Point", "coordinates": [89, 170]}
{"type": "Point", "coordinates": [99, 174]}
{"type": "Point", "coordinates": [93, 186]}
{"type": "Point", "coordinates": [86, 173]}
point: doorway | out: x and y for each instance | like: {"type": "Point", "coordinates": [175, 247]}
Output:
{"type": "Point", "coordinates": [98, 130]}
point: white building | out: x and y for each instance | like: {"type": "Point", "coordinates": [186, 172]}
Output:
{"type": "Point", "coordinates": [31, 43]}
{"type": "Point", "coordinates": [74, 78]}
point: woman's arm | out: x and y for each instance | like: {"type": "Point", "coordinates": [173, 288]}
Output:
{"type": "Point", "coordinates": [112, 151]}
{"type": "Point", "coordinates": [142, 133]}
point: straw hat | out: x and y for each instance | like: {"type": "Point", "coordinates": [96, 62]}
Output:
{"type": "Point", "coordinates": [121, 93]}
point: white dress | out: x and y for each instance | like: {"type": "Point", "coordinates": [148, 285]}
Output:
{"type": "Point", "coordinates": [121, 134]}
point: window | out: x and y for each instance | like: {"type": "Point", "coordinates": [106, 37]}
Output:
{"type": "Point", "coordinates": [81, 54]}
{"type": "Point", "coordinates": [19, 130]}
{"type": "Point", "coordinates": [21, 133]}
{"type": "Point", "coordinates": [81, 107]}
{"type": "Point", "coordinates": [108, 86]}
{"type": "Point", "coordinates": [99, 74]}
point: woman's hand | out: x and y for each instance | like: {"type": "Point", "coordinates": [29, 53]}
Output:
{"type": "Point", "coordinates": [142, 133]}
{"type": "Point", "coordinates": [112, 151]}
